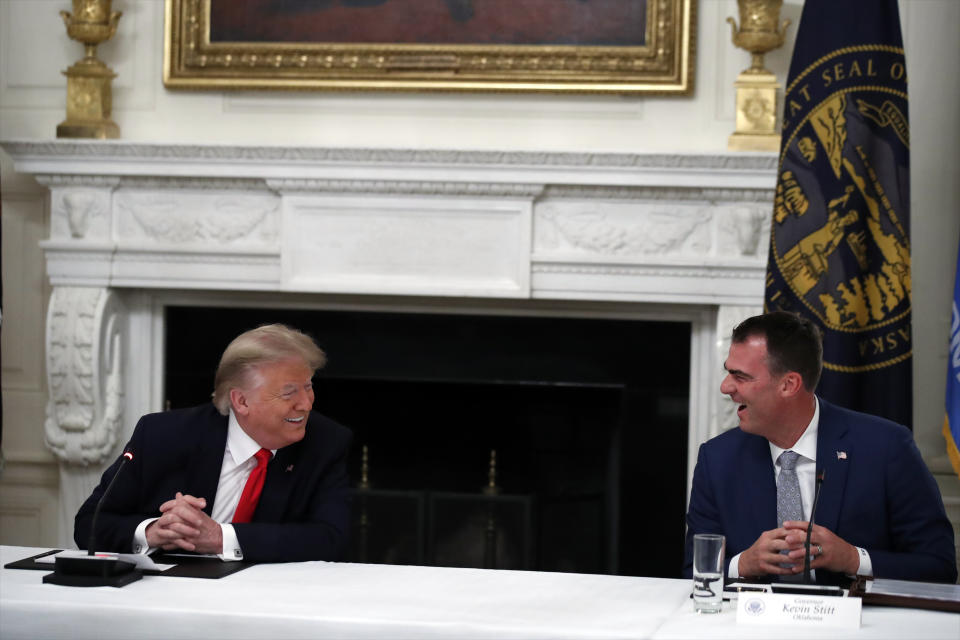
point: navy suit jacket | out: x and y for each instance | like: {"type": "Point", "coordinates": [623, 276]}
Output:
{"type": "Point", "coordinates": [303, 512]}
{"type": "Point", "coordinates": [876, 494]}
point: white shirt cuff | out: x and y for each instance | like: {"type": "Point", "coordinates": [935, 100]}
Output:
{"type": "Point", "coordinates": [140, 537]}
{"type": "Point", "coordinates": [231, 546]}
{"type": "Point", "coordinates": [733, 571]}
{"type": "Point", "coordinates": [865, 568]}
{"type": "Point", "coordinates": [866, 564]}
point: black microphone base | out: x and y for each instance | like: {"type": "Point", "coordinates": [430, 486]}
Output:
{"type": "Point", "coordinates": [93, 572]}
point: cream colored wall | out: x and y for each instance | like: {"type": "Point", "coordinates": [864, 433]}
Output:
{"type": "Point", "coordinates": [29, 482]}
{"type": "Point", "coordinates": [34, 49]}
{"type": "Point", "coordinates": [146, 111]}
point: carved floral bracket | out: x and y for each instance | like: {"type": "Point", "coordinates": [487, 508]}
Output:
{"type": "Point", "coordinates": [84, 373]}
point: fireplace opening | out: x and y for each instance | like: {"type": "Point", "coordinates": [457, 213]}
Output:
{"type": "Point", "coordinates": [500, 441]}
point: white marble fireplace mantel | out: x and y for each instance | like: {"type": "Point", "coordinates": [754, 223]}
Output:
{"type": "Point", "coordinates": [675, 236]}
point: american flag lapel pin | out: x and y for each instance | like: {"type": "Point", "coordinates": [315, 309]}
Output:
{"type": "Point", "coordinates": [841, 455]}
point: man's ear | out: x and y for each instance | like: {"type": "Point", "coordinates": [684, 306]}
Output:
{"type": "Point", "coordinates": [238, 400]}
{"type": "Point", "coordinates": [791, 384]}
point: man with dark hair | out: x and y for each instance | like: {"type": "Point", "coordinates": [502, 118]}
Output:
{"type": "Point", "coordinates": [880, 512]}
{"type": "Point", "coordinates": [793, 342]}
{"type": "Point", "coordinates": [256, 475]}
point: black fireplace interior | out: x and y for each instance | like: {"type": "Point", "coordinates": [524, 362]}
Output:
{"type": "Point", "coordinates": [580, 425]}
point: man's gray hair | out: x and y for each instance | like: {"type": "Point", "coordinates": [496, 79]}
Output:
{"type": "Point", "coordinates": [265, 344]}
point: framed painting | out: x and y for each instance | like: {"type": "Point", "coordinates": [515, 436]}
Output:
{"type": "Point", "coordinates": [560, 46]}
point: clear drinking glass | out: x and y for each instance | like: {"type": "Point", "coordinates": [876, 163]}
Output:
{"type": "Point", "coordinates": [708, 551]}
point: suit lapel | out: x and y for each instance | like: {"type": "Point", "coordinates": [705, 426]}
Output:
{"type": "Point", "coordinates": [204, 474]}
{"type": "Point", "coordinates": [833, 454]}
{"type": "Point", "coordinates": [760, 482]}
{"type": "Point", "coordinates": [281, 472]}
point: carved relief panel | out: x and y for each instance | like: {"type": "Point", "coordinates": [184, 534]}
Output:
{"type": "Point", "coordinates": [198, 216]}
{"type": "Point", "coordinates": [80, 208]}
{"type": "Point", "coordinates": [691, 225]}
{"type": "Point", "coordinates": [743, 230]}
{"type": "Point", "coordinates": [188, 212]}
{"type": "Point", "coordinates": [621, 229]}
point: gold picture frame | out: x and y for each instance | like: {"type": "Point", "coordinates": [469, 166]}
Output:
{"type": "Point", "coordinates": [662, 64]}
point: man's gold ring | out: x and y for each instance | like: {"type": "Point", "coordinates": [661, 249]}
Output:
{"type": "Point", "coordinates": [819, 550]}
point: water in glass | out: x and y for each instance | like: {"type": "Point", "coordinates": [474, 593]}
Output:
{"type": "Point", "coordinates": [708, 554]}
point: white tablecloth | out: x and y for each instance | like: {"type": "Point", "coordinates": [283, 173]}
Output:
{"type": "Point", "coordinates": [339, 600]}
{"type": "Point", "coordinates": [876, 622]}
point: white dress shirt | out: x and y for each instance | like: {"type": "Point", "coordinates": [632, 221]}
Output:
{"type": "Point", "coordinates": [238, 461]}
{"type": "Point", "coordinates": [806, 470]}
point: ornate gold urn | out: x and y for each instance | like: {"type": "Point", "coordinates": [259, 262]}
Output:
{"type": "Point", "coordinates": [89, 97]}
{"type": "Point", "coordinates": [760, 31]}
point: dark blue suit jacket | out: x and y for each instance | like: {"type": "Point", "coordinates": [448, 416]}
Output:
{"type": "Point", "coordinates": [876, 494]}
{"type": "Point", "coordinates": [303, 512]}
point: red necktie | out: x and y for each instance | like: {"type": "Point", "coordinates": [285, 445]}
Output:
{"type": "Point", "coordinates": [251, 490]}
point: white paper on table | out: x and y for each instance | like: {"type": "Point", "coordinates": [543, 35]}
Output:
{"type": "Point", "coordinates": [911, 589]}
{"type": "Point", "coordinates": [142, 561]}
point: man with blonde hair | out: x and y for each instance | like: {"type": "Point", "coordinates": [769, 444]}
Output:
{"type": "Point", "coordinates": [256, 475]}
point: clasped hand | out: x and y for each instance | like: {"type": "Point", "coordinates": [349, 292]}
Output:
{"type": "Point", "coordinates": [183, 525]}
{"type": "Point", "coordinates": [828, 550]}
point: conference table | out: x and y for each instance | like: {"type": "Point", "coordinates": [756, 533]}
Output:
{"type": "Point", "coordinates": [344, 600]}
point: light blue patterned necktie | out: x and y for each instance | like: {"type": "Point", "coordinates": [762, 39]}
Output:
{"type": "Point", "coordinates": [789, 506]}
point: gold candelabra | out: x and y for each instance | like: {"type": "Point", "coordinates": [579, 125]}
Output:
{"type": "Point", "coordinates": [760, 32]}
{"type": "Point", "coordinates": [89, 96]}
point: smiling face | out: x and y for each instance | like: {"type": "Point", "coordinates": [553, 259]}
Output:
{"type": "Point", "coordinates": [756, 391]}
{"type": "Point", "coordinates": [273, 407]}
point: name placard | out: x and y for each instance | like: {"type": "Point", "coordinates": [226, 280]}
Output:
{"type": "Point", "coordinates": [799, 610]}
